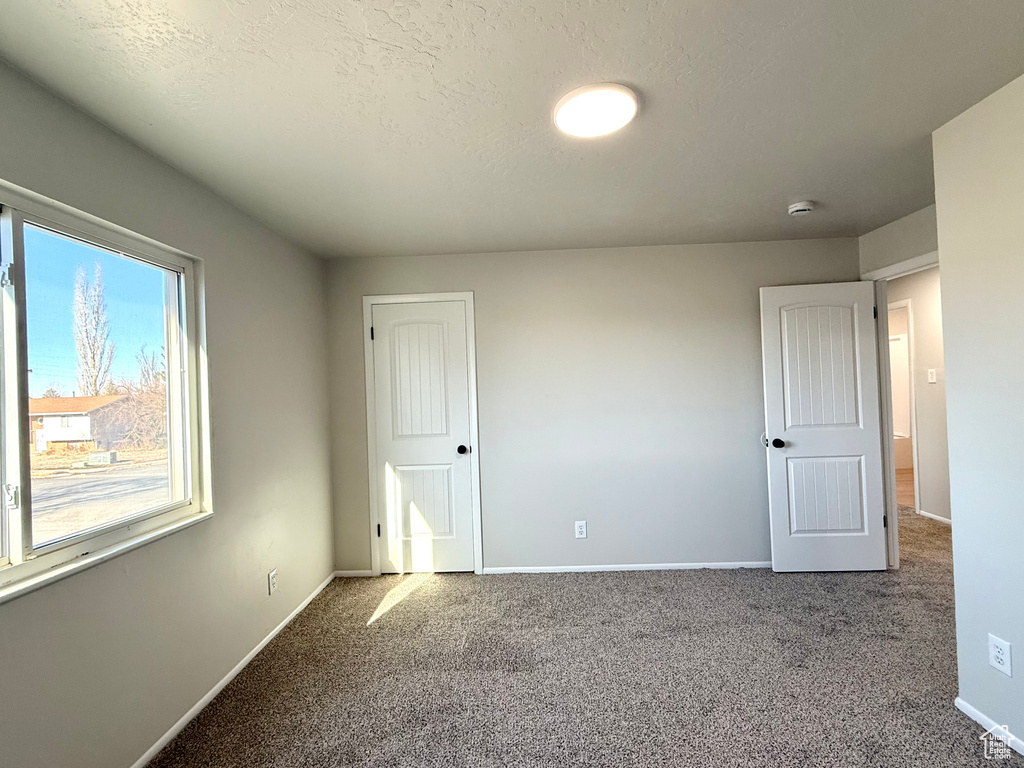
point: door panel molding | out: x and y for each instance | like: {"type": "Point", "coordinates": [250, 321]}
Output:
{"type": "Point", "coordinates": [369, 302]}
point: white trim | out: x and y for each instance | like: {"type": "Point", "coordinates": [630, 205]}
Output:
{"type": "Point", "coordinates": [474, 434]}
{"type": "Point", "coordinates": [930, 516]}
{"type": "Point", "coordinates": [12, 424]}
{"type": "Point", "coordinates": [987, 723]}
{"type": "Point", "coordinates": [892, 548]}
{"type": "Point", "coordinates": [371, 419]}
{"type": "Point", "coordinates": [903, 268]}
{"type": "Point", "coordinates": [371, 436]}
{"type": "Point", "coordinates": [89, 226]}
{"type": "Point", "coordinates": [185, 719]}
{"type": "Point", "coordinates": [34, 567]}
{"type": "Point", "coordinates": [352, 574]}
{"type": "Point", "coordinates": [909, 305]}
{"type": "Point", "coordinates": [905, 338]}
{"type": "Point", "coordinates": [630, 567]}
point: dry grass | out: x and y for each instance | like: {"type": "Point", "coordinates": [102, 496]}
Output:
{"type": "Point", "coordinates": [53, 460]}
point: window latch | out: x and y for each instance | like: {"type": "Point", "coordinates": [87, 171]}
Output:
{"type": "Point", "coordinates": [11, 496]}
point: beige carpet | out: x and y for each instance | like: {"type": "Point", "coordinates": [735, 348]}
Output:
{"type": "Point", "coordinates": [670, 668]}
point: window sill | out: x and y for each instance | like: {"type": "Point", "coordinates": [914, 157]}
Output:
{"type": "Point", "coordinates": [62, 571]}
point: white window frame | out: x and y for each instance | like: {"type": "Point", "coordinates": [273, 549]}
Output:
{"type": "Point", "coordinates": [24, 568]}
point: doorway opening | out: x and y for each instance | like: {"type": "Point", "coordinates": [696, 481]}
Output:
{"type": "Point", "coordinates": [918, 471]}
{"type": "Point", "coordinates": [902, 394]}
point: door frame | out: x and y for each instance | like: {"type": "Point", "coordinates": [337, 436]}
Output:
{"type": "Point", "coordinates": [881, 277]}
{"type": "Point", "coordinates": [909, 306]}
{"type": "Point", "coordinates": [371, 418]}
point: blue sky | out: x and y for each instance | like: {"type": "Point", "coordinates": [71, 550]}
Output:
{"type": "Point", "coordinates": [134, 294]}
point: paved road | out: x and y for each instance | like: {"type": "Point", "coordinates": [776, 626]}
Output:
{"type": "Point", "coordinates": [63, 504]}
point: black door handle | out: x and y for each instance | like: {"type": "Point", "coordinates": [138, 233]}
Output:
{"type": "Point", "coordinates": [777, 443]}
{"type": "Point", "coordinates": [462, 449]}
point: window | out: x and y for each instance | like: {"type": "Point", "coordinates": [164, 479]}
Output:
{"type": "Point", "coordinates": [101, 392]}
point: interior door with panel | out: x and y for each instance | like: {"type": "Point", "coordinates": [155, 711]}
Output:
{"type": "Point", "coordinates": [823, 428]}
{"type": "Point", "coordinates": [423, 430]}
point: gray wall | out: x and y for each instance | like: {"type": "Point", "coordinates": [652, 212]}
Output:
{"type": "Point", "coordinates": [979, 190]}
{"type": "Point", "coordinates": [903, 239]}
{"type": "Point", "coordinates": [98, 666]}
{"type": "Point", "coordinates": [620, 386]}
{"type": "Point", "coordinates": [923, 290]}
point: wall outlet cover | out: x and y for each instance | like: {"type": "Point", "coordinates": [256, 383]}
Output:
{"type": "Point", "coordinates": [581, 529]}
{"type": "Point", "coordinates": [272, 582]}
{"type": "Point", "coordinates": [999, 655]}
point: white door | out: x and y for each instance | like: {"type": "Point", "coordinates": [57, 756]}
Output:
{"type": "Point", "coordinates": [823, 431]}
{"type": "Point", "coordinates": [423, 429]}
{"type": "Point", "coordinates": [899, 373]}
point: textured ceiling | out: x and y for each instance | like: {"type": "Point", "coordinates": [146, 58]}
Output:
{"type": "Point", "coordinates": [412, 127]}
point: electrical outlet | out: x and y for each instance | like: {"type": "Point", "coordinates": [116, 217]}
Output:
{"type": "Point", "coordinates": [999, 655]}
{"type": "Point", "coordinates": [272, 582]}
{"type": "Point", "coordinates": [581, 529]}
{"type": "Point", "coordinates": [932, 378]}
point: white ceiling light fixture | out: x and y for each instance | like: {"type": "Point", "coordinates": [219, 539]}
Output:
{"type": "Point", "coordinates": [595, 110]}
{"type": "Point", "coordinates": [802, 208]}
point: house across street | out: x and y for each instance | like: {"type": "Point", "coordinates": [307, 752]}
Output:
{"type": "Point", "coordinates": [74, 422]}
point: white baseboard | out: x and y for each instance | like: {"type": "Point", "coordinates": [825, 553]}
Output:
{"type": "Point", "coordinates": [195, 710]}
{"type": "Point", "coordinates": [930, 516]}
{"type": "Point", "coordinates": [637, 567]}
{"type": "Point", "coordinates": [352, 574]}
{"type": "Point", "coordinates": [987, 723]}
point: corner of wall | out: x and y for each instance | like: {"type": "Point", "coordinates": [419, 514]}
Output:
{"type": "Point", "coordinates": [979, 189]}
{"type": "Point", "coordinates": [907, 238]}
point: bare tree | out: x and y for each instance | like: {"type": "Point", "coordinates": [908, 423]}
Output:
{"type": "Point", "coordinates": [152, 370]}
{"type": "Point", "coordinates": [54, 390]}
{"type": "Point", "coordinates": [92, 334]}
{"type": "Point", "coordinates": [139, 418]}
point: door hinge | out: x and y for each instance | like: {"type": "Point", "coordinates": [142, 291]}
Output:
{"type": "Point", "coordinates": [885, 521]}
{"type": "Point", "coordinates": [876, 313]}
{"type": "Point", "coordinates": [371, 333]}
{"type": "Point", "coordinates": [378, 530]}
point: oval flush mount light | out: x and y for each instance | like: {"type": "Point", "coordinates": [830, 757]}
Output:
{"type": "Point", "coordinates": [595, 110]}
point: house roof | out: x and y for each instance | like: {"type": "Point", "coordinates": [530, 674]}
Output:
{"type": "Point", "coordinates": [48, 406]}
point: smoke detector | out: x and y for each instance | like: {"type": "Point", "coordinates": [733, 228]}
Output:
{"type": "Point", "coordinates": [802, 208]}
